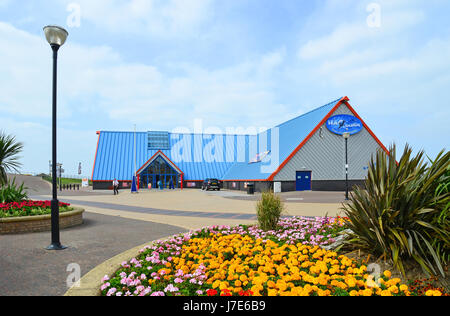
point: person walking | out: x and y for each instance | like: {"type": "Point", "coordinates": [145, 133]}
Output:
{"type": "Point", "coordinates": [116, 186]}
{"type": "Point", "coordinates": [171, 186]}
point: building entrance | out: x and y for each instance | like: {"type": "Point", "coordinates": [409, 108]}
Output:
{"type": "Point", "coordinates": [159, 175]}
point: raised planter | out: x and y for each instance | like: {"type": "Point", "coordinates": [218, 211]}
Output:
{"type": "Point", "coordinates": [41, 223]}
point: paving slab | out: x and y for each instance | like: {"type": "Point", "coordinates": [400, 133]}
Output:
{"type": "Point", "coordinates": [197, 201]}
{"type": "Point", "coordinates": [27, 269]}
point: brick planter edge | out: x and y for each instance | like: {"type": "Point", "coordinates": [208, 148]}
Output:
{"type": "Point", "coordinates": [41, 223]}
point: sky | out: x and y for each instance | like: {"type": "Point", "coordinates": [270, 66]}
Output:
{"type": "Point", "coordinates": [166, 64]}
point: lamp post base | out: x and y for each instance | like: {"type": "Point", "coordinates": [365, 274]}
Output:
{"type": "Point", "coordinates": [56, 246]}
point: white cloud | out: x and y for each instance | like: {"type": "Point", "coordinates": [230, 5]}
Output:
{"type": "Point", "coordinates": [94, 81]}
{"type": "Point", "coordinates": [346, 36]}
{"type": "Point", "coordinates": [164, 18]}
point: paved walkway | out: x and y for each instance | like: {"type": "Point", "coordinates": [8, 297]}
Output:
{"type": "Point", "coordinates": [227, 202]}
{"type": "Point", "coordinates": [115, 224]}
{"type": "Point", "coordinates": [27, 269]}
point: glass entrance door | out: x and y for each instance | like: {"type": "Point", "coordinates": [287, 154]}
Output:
{"type": "Point", "coordinates": [159, 174]}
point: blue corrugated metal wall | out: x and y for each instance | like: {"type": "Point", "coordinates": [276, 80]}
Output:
{"type": "Point", "coordinates": [207, 156]}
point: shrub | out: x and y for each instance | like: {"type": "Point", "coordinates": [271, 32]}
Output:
{"type": "Point", "coordinates": [9, 160]}
{"type": "Point", "coordinates": [11, 192]}
{"type": "Point", "coordinates": [269, 210]}
{"type": "Point", "coordinates": [397, 212]}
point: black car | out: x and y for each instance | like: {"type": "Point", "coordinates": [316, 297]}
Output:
{"type": "Point", "coordinates": [211, 184]}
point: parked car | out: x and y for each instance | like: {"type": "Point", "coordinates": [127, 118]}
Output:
{"type": "Point", "coordinates": [211, 184]}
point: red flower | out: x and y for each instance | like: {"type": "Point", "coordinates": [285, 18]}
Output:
{"type": "Point", "coordinates": [226, 292]}
{"type": "Point", "coordinates": [211, 292]}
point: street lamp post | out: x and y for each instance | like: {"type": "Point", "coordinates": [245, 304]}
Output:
{"type": "Point", "coordinates": [346, 137]}
{"type": "Point", "coordinates": [56, 37]}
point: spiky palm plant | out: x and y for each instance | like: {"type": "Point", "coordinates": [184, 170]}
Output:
{"type": "Point", "coordinates": [399, 212]}
{"type": "Point", "coordinates": [9, 159]}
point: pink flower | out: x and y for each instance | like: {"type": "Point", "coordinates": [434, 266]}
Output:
{"type": "Point", "coordinates": [171, 288]}
{"type": "Point", "coordinates": [178, 280]}
{"type": "Point", "coordinates": [105, 286]}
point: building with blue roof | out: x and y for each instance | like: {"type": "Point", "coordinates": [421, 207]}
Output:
{"type": "Point", "coordinates": [305, 153]}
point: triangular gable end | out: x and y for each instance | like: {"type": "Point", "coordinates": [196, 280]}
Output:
{"type": "Point", "coordinates": [343, 101]}
{"type": "Point", "coordinates": [163, 156]}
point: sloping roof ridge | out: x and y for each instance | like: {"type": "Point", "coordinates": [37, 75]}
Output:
{"type": "Point", "coordinates": [171, 133]}
{"type": "Point", "coordinates": [307, 113]}
{"type": "Point", "coordinates": [225, 134]}
{"type": "Point", "coordinates": [210, 134]}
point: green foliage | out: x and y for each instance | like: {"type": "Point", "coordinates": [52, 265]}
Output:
{"type": "Point", "coordinates": [63, 180]}
{"type": "Point", "coordinates": [401, 213]}
{"type": "Point", "coordinates": [9, 149]}
{"type": "Point", "coordinates": [11, 192]}
{"type": "Point", "coordinates": [444, 188]}
{"type": "Point", "coordinates": [269, 210]}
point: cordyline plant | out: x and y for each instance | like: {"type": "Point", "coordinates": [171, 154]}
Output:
{"type": "Point", "coordinates": [10, 192]}
{"type": "Point", "coordinates": [400, 212]}
{"type": "Point", "coordinates": [9, 160]}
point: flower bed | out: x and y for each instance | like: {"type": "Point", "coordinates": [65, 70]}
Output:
{"type": "Point", "coordinates": [29, 208]}
{"type": "Point", "coordinates": [245, 261]}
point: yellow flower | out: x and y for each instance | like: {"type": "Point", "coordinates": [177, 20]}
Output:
{"type": "Point", "coordinates": [387, 274]}
{"type": "Point", "coordinates": [403, 288]}
{"type": "Point", "coordinates": [282, 286]}
{"type": "Point", "coordinates": [386, 293]}
{"type": "Point", "coordinates": [224, 285]}
{"type": "Point", "coordinates": [393, 289]}
{"type": "Point", "coordinates": [350, 282]}
{"type": "Point", "coordinates": [272, 292]}
{"type": "Point", "coordinates": [367, 292]}
{"type": "Point", "coordinates": [429, 293]}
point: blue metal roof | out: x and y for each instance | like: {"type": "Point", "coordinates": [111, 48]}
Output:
{"type": "Point", "coordinates": [202, 156]}
{"type": "Point", "coordinates": [290, 135]}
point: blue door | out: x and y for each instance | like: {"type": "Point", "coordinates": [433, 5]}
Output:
{"type": "Point", "coordinates": [303, 182]}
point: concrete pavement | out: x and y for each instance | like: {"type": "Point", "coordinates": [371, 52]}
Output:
{"type": "Point", "coordinates": [116, 227]}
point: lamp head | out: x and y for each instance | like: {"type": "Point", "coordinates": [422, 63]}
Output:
{"type": "Point", "coordinates": [346, 135]}
{"type": "Point", "coordinates": [55, 35]}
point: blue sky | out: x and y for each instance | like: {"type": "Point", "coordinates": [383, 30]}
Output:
{"type": "Point", "coordinates": [162, 64]}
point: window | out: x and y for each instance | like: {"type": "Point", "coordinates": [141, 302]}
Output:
{"type": "Point", "coordinates": [158, 140]}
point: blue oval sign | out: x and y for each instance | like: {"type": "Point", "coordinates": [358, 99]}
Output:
{"type": "Point", "coordinates": [343, 123]}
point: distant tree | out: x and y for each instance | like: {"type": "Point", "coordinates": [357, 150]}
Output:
{"type": "Point", "coordinates": [9, 159]}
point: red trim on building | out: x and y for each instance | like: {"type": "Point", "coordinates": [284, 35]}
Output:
{"type": "Point", "coordinates": [153, 157]}
{"type": "Point", "coordinates": [95, 159]}
{"type": "Point", "coordinates": [367, 128]}
{"type": "Point", "coordinates": [181, 172]}
{"type": "Point", "coordinates": [257, 180]}
{"type": "Point", "coordinates": [307, 138]}
{"type": "Point", "coordinates": [344, 100]}
{"type": "Point", "coordinates": [129, 181]}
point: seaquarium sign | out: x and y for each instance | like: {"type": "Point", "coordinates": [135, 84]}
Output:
{"type": "Point", "coordinates": [344, 123]}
